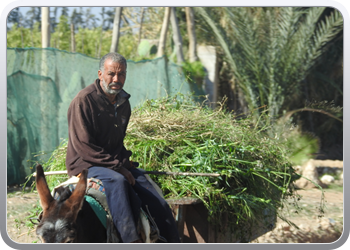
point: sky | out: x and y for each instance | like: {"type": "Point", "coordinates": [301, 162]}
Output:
{"type": "Point", "coordinates": [94, 10]}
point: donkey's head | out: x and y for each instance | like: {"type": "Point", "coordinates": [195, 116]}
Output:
{"type": "Point", "coordinates": [57, 224]}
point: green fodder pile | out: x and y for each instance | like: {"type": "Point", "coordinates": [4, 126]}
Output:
{"type": "Point", "coordinates": [174, 134]}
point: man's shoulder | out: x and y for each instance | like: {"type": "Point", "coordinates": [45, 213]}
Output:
{"type": "Point", "coordinates": [87, 91]}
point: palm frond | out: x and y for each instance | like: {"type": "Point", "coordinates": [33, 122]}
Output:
{"type": "Point", "coordinates": [326, 32]}
{"type": "Point", "coordinates": [271, 50]}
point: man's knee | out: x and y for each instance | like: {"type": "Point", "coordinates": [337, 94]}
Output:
{"type": "Point", "coordinates": [108, 175]}
{"type": "Point", "coordinates": [116, 177]}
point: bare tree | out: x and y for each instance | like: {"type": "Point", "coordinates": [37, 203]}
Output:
{"type": "Point", "coordinates": [176, 36]}
{"type": "Point", "coordinates": [116, 29]}
{"type": "Point", "coordinates": [163, 33]}
{"type": "Point", "coordinates": [191, 34]}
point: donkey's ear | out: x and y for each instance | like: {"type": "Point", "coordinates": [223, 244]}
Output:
{"type": "Point", "coordinates": [42, 188]}
{"type": "Point", "coordinates": [75, 202]}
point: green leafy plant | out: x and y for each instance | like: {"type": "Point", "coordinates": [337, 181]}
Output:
{"type": "Point", "coordinates": [194, 71]}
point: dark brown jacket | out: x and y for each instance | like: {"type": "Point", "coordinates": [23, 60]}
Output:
{"type": "Point", "coordinates": [96, 135]}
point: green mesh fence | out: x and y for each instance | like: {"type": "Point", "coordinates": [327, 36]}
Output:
{"type": "Point", "coordinates": [40, 86]}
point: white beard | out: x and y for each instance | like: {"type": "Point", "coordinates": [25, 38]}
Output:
{"type": "Point", "coordinates": [108, 90]}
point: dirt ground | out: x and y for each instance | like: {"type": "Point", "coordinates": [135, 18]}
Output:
{"type": "Point", "coordinates": [20, 206]}
{"type": "Point", "coordinates": [312, 229]}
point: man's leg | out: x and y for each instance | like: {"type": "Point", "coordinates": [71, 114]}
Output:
{"type": "Point", "coordinates": [157, 206]}
{"type": "Point", "coordinates": [122, 201]}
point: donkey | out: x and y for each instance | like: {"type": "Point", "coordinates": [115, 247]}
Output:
{"type": "Point", "coordinates": [70, 219]}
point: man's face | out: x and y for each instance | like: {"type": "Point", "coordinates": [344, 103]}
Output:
{"type": "Point", "coordinates": [113, 77]}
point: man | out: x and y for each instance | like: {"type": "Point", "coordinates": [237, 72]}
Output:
{"type": "Point", "coordinates": [97, 119]}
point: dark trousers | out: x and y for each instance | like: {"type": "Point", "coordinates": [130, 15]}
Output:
{"type": "Point", "coordinates": [124, 202]}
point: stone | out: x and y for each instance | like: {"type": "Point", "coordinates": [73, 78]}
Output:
{"type": "Point", "coordinates": [327, 179]}
{"type": "Point", "coordinates": [309, 171]}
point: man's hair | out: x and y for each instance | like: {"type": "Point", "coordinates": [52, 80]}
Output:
{"type": "Point", "coordinates": [115, 57]}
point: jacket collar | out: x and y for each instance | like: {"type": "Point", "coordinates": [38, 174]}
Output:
{"type": "Point", "coordinates": [121, 97]}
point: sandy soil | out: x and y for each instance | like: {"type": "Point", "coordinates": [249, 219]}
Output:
{"type": "Point", "coordinates": [329, 228]}
{"type": "Point", "coordinates": [312, 227]}
{"type": "Point", "coordinates": [20, 206]}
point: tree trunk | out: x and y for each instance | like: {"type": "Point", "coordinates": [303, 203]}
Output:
{"type": "Point", "coordinates": [22, 41]}
{"type": "Point", "coordinates": [176, 36]}
{"type": "Point", "coordinates": [46, 138]}
{"type": "Point", "coordinates": [116, 28]}
{"type": "Point", "coordinates": [101, 33]}
{"type": "Point", "coordinates": [100, 45]}
{"type": "Point", "coordinates": [32, 38]}
{"type": "Point", "coordinates": [163, 33]}
{"type": "Point", "coordinates": [72, 38]}
{"type": "Point", "coordinates": [45, 27]}
{"type": "Point", "coordinates": [82, 41]}
{"type": "Point", "coordinates": [96, 49]}
{"type": "Point", "coordinates": [141, 22]}
{"type": "Point", "coordinates": [54, 24]}
{"type": "Point", "coordinates": [191, 34]}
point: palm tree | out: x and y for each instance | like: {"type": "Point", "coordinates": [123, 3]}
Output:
{"type": "Point", "coordinates": [271, 50]}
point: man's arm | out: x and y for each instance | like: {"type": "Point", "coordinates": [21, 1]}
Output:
{"type": "Point", "coordinates": [81, 135]}
{"type": "Point", "coordinates": [81, 139]}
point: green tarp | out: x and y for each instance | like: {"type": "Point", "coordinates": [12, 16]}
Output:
{"type": "Point", "coordinates": [40, 86]}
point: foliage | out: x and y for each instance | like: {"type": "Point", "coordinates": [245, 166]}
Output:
{"type": "Point", "coordinates": [87, 40]}
{"type": "Point", "coordinates": [301, 146]}
{"type": "Point", "coordinates": [87, 34]}
{"type": "Point", "coordinates": [175, 134]}
{"type": "Point", "coordinates": [23, 37]}
{"type": "Point", "coordinates": [60, 39]}
{"type": "Point", "coordinates": [194, 71]}
{"type": "Point", "coordinates": [271, 50]}
{"type": "Point", "coordinates": [145, 48]}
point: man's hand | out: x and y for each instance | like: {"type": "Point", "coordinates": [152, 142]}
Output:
{"type": "Point", "coordinates": [127, 174]}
